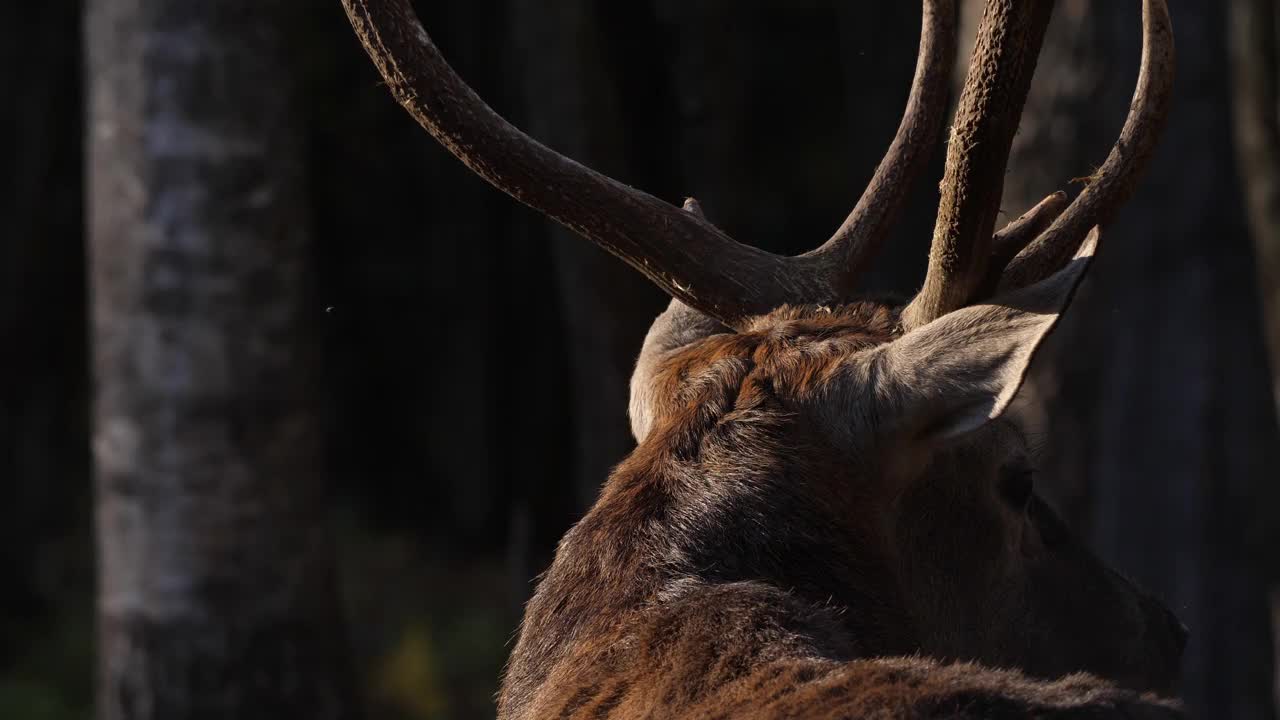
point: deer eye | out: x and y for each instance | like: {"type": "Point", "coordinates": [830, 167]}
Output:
{"type": "Point", "coordinates": [1017, 485]}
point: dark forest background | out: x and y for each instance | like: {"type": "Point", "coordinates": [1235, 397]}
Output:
{"type": "Point", "coordinates": [229, 262]}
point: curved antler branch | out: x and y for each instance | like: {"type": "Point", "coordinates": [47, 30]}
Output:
{"type": "Point", "coordinates": [1017, 235]}
{"type": "Point", "coordinates": [995, 90]}
{"type": "Point", "coordinates": [1115, 181]}
{"type": "Point", "coordinates": [679, 251]}
{"type": "Point", "coordinates": [858, 239]}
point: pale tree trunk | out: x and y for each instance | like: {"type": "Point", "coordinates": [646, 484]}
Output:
{"type": "Point", "coordinates": [1160, 439]}
{"type": "Point", "coordinates": [1257, 123]}
{"type": "Point", "coordinates": [217, 595]}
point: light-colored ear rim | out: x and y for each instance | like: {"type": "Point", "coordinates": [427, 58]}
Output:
{"type": "Point", "coordinates": [676, 327]}
{"type": "Point", "coordinates": [1072, 274]}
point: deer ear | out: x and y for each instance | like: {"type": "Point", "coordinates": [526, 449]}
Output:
{"type": "Point", "coordinates": [677, 327]}
{"type": "Point", "coordinates": [955, 374]}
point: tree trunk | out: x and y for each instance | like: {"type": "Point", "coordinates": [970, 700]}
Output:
{"type": "Point", "coordinates": [217, 594]}
{"type": "Point", "coordinates": [778, 145]}
{"type": "Point", "coordinates": [1161, 440]}
{"type": "Point", "coordinates": [43, 417]}
{"type": "Point", "coordinates": [570, 103]}
{"type": "Point", "coordinates": [1257, 126]}
{"type": "Point", "coordinates": [1255, 62]}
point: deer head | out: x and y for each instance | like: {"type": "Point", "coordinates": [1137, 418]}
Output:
{"type": "Point", "coordinates": [824, 481]}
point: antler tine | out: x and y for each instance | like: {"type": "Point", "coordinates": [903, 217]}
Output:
{"type": "Point", "coordinates": [858, 239]}
{"type": "Point", "coordinates": [1017, 235]}
{"type": "Point", "coordinates": [995, 90]}
{"type": "Point", "coordinates": [1115, 181]}
{"type": "Point", "coordinates": [682, 253]}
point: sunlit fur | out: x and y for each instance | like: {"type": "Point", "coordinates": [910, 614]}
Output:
{"type": "Point", "coordinates": [785, 542]}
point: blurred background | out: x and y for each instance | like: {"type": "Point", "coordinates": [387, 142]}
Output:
{"type": "Point", "coordinates": [284, 386]}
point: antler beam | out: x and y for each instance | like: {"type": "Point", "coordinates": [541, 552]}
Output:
{"type": "Point", "coordinates": [995, 90]}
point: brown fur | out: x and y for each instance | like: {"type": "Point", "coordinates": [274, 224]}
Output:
{"type": "Point", "coordinates": [748, 560]}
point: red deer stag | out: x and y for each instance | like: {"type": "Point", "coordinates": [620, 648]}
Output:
{"type": "Point", "coordinates": [827, 515]}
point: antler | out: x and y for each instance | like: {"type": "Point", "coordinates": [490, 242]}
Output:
{"type": "Point", "coordinates": [1009, 41]}
{"type": "Point", "coordinates": [1115, 181]}
{"type": "Point", "coordinates": [697, 263]}
{"type": "Point", "coordinates": [995, 89]}
{"type": "Point", "coordinates": [679, 251]}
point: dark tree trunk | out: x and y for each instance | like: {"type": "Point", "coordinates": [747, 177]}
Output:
{"type": "Point", "coordinates": [1161, 443]}
{"type": "Point", "coordinates": [571, 103]}
{"type": "Point", "coordinates": [783, 110]}
{"type": "Point", "coordinates": [43, 421]}
{"type": "Point", "coordinates": [217, 594]}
